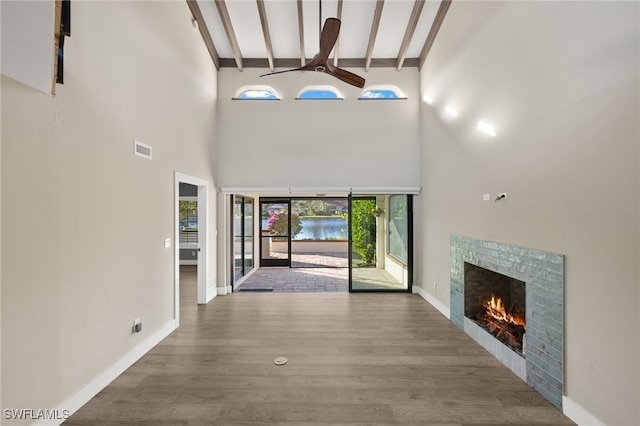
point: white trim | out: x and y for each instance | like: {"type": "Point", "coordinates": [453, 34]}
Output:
{"type": "Point", "coordinates": [84, 395]}
{"type": "Point", "coordinates": [222, 291]}
{"type": "Point", "coordinates": [579, 414]}
{"type": "Point", "coordinates": [326, 191]}
{"type": "Point", "coordinates": [444, 310]}
{"type": "Point", "coordinates": [203, 240]}
{"type": "Point", "coordinates": [411, 190]}
{"type": "Point", "coordinates": [212, 290]}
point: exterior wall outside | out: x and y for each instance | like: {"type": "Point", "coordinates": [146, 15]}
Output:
{"type": "Point", "coordinates": [83, 219]}
{"type": "Point", "coordinates": [564, 102]}
{"type": "Point", "coordinates": [397, 270]}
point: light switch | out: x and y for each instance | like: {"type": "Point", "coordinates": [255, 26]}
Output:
{"type": "Point", "coordinates": [486, 197]}
{"type": "Point", "coordinates": [167, 242]}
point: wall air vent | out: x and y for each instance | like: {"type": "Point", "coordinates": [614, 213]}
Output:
{"type": "Point", "coordinates": [141, 149]}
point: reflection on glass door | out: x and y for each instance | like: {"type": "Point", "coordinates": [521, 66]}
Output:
{"type": "Point", "coordinates": [275, 244]}
{"type": "Point", "coordinates": [242, 235]}
{"type": "Point", "coordinates": [248, 235]}
{"type": "Point", "coordinates": [380, 243]}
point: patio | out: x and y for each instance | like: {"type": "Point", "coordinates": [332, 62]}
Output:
{"type": "Point", "coordinates": [309, 274]}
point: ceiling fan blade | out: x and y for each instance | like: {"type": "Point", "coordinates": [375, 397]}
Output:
{"type": "Point", "coordinates": [307, 67]}
{"type": "Point", "coordinates": [346, 76]}
{"type": "Point", "coordinates": [328, 38]}
{"type": "Point", "coordinates": [320, 62]}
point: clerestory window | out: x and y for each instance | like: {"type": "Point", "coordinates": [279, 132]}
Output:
{"type": "Point", "coordinates": [386, 91]}
{"type": "Point", "coordinates": [319, 92]}
{"type": "Point", "coordinates": [256, 93]}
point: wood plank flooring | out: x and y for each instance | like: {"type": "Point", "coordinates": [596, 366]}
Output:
{"type": "Point", "coordinates": [353, 359]}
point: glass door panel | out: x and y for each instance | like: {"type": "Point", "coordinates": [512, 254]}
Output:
{"type": "Point", "coordinates": [248, 235]}
{"type": "Point", "coordinates": [319, 233]}
{"type": "Point", "coordinates": [380, 243]}
{"type": "Point", "coordinates": [238, 231]}
{"type": "Point", "coordinates": [275, 244]}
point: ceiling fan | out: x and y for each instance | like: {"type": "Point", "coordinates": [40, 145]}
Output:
{"type": "Point", "coordinates": [320, 62]}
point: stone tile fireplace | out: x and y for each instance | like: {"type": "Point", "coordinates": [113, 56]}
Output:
{"type": "Point", "coordinates": [510, 300]}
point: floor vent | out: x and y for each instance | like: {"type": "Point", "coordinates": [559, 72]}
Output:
{"type": "Point", "coordinates": [255, 289]}
{"type": "Point", "coordinates": [141, 150]}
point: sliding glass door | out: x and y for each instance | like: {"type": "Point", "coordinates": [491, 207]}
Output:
{"type": "Point", "coordinates": [380, 243]}
{"type": "Point", "coordinates": [243, 225]}
{"type": "Point", "coordinates": [319, 232]}
{"type": "Point", "coordinates": [275, 225]}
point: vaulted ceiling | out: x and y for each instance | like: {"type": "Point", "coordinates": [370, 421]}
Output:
{"type": "Point", "coordinates": [285, 33]}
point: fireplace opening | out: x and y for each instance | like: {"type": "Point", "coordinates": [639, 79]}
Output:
{"type": "Point", "coordinates": [496, 303]}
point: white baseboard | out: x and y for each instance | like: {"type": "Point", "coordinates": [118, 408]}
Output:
{"type": "Point", "coordinates": [224, 290]}
{"type": "Point", "coordinates": [579, 414]}
{"type": "Point", "coordinates": [211, 294]}
{"type": "Point", "coordinates": [444, 310]}
{"type": "Point", "coordinates": [212, 290]}
{"type": "Point", "coordinates": [75, 402]}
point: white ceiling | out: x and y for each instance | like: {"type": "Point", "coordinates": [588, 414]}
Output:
{"type": "Point", "coordinates": [357, 16]}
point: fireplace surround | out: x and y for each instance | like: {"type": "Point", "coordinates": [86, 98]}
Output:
{"type": "Point", "coordinates": [541, 362]}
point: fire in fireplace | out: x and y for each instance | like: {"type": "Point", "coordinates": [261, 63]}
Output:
{"type": "Point", "coordinates": [496, 303]}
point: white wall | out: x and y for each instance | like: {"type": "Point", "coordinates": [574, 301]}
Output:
{"type": "Point", "coordinates": [293, 143]}
{"type": "Point", "coordinates": [27, 42]}
{"type": "Point", "coordinates": [83, 219]}
{"type": "Point", "coordinates": [559, 81]}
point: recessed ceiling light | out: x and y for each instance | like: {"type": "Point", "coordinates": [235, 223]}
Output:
{"type": "Point", "coordinates": [487, 128]}
{"type": "Point", "coordinates": [451, 111]}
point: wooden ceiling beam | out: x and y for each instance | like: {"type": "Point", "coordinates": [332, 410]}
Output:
{"type": "Point", "coordinates": [418, 5]}
{"type": "Point", "coordinates": [301, 32]}
{"type": "Point", "coordinates": [435, 27]}
{"type": "Point", "coordinates": [228, 29]}
{"type": "Point", "coordinates": [204, 32]}
{"type": "Point", "coordinates": [265, 32]}
{"type": "Point", "coordinates": [335, 48]}
{"type": "Point", "coordinates": [374, 33]}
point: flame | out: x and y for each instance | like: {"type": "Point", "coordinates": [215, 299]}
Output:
{"type": "Point", "coordinates": [495, 308]}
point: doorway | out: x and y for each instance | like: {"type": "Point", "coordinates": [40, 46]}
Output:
{"type": "Point", "coordinates": [378, 248]}
{"type": "Point", "coordinates": [191, 213]}
{"type": "Point", "coordinates": [380, 243]}
{"type": "Point", "coordinates": [275, 230]}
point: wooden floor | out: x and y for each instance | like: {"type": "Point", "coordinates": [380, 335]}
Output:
{"type": "Point", "coordinates": [353, 359]}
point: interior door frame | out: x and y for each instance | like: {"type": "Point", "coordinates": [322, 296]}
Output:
{"type": "Point", "coordinates": [203, 240]}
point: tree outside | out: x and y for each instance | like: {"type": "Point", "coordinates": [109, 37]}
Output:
{"type": "Point", "coordinates": [278, 224]}
{"type": "Point", "coordinates": [363, 226]}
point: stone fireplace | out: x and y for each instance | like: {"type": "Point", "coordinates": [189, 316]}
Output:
{"type": "Point", "coordinates": [524, 328]}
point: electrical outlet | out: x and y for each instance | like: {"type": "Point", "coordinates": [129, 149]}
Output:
{"type": "Point", "coordinates": [137, 325]}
